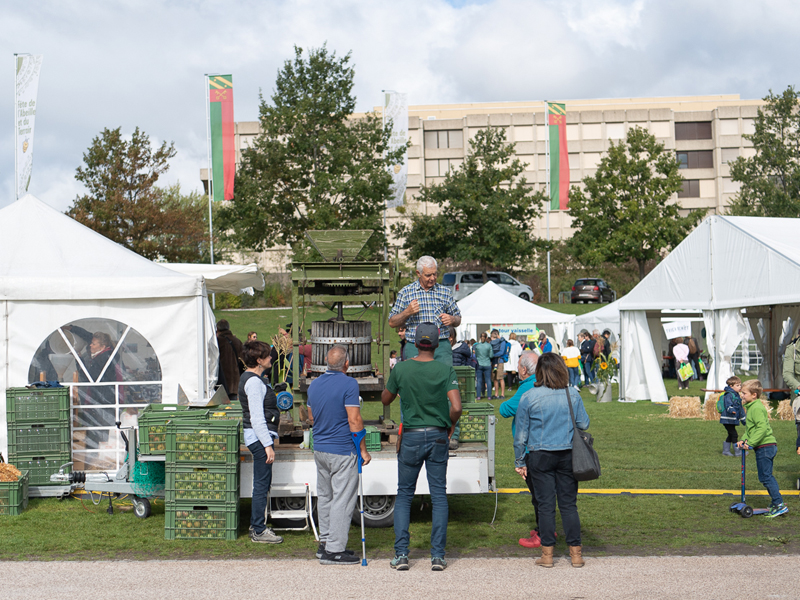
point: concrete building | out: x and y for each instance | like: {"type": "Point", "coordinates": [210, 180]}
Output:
{"type": "Point", "coordinates": [706, 132]}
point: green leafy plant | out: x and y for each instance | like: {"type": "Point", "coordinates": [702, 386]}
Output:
{"type": "Point", "coordinates": [605, 367]}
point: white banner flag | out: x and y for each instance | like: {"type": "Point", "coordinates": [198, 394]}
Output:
{"type": "Point", "coordinates": [27, 86]}
{"type": "Point", "coordinates": [395, 107]}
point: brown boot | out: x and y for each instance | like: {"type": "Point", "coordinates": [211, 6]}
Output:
{"type": "Point", "coordinates": [575, 556]}
{"type": "Point", "coordinates": [547, 557]}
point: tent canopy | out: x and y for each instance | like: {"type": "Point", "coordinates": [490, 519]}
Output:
{"type": "Point", "coordinates": [492, 304]}
{"type": "Point", "coordinates": [233, 279]}
{"type": "Point", "coordinates": [49, 256]}
{"type": "Point", "coordinates": [606, 317]}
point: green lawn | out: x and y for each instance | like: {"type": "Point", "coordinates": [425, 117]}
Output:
{"type": "Point", "coordinates": [639, 447]}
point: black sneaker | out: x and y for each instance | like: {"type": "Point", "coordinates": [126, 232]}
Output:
{"type": "Point", "coordinates": [438, 564]}
{"type": "Point", "coordinates": [339, 558]}
{"type": "Point", "coordinates": [399, 562]}
{"type": "Point", "coordinates": [321, 550]}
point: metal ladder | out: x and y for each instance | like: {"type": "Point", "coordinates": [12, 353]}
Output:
{"type": "Point", "coordinates": [304, 514]}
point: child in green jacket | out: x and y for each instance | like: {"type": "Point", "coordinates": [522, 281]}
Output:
{"type": "Point", "coordinates": [758, 435]}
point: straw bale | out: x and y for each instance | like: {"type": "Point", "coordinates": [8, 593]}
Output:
{"type": "Point", "coordinates": [9, 472]}
{"type": "Point", "coordinates": [767, 406]}
{"type": "Point", "coordinates": [684, 407]}
{"type": "Point", "coordinates": [710, 412]}
{"type": "Point", "coordinates": [785, 412]}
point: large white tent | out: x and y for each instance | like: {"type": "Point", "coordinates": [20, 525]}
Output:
{"type": "Point", "coordinates": [605, 317]}
{"type": "Point", "coordinates": [490, 305]}
{"type": "Point", "coordinates": [731, 268]}
{"type": "Point", "coordinates": [233, 279]}
{"type": "Point", "coordinates": [60, 281]}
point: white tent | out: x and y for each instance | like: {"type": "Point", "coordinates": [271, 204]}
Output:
{"type": "Point", "coordinates": [724, 266]}
{"type": "Point", "coordinates": [61, 282]}
{"type": "Point", "coordinates": [605, 317]}
{"type": "Point", "coordinates": [233, 279]}
{"type": "Point", "coordinates": [491, 305]}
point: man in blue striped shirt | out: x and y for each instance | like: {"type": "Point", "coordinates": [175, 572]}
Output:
{"type": "Point", "coordinates": [425, 301]}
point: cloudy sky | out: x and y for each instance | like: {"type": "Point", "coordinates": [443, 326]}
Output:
{"type": "Point", "coordinates": [141, 62]}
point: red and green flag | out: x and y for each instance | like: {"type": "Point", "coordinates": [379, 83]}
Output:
{"type": "Point", "coordinates": [559, 159]}
{"type": "Point", "coordinates": [223, 152]}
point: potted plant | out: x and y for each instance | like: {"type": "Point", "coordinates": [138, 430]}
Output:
{"type": "Point", "coordinates": [605, 368]}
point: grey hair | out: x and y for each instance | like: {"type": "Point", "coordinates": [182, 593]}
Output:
{"type": "Point", "coordinates": [528, 359]}
{"type": "Point", "coordinates": [426, 261]}
{"type": "Point", "coordinates": [337, 357]}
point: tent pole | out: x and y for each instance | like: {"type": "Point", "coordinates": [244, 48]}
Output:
{"type": "Point", "coordinates": [201, 367]}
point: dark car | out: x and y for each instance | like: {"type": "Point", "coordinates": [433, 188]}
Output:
{"type": "Point", "coordinates": [592, 290]}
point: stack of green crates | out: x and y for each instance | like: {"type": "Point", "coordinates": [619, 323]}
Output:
{"type": "Point", "coordinates": [38, 431]}
{"type": "Point", "coordinates": [14, 495]}
{"type": "Point", "coordinates": [202, 479]}
{"type": "Point", "coordinates": [474, 421]}
{"type": "Point", "coordinates": [466, 383]}
{"type": "Point", "coordinates": [153, 425]}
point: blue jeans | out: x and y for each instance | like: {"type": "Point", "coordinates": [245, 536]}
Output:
{"type": "Point", "coordinates": [431, 449]}
{"type": "Point", "coordinates": [764, 458]}
{"type": "Point", "coordinates": [574, 376]}
{"type": "Point", "coordinates": [483, 380]}
{"type": "Point", "coordinates": [262, 481]}
{"type": "Point", "coordinates": [588, 373]}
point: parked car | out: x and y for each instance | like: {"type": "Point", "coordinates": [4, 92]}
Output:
{"type": "Point", "coordinates": [463, 283]}
{"type": "Point", "coordinates": [592, 290]}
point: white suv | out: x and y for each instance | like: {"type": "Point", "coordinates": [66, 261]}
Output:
{"type": "Point", "coordinates": [463, 283]}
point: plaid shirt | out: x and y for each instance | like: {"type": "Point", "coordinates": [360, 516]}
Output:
{"type": "Point", "coordinates": [432, 304]}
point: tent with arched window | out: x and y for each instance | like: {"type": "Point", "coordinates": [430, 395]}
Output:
{"type": "Point", "coordinates": [65, 291]}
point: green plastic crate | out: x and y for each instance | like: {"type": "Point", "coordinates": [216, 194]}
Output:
{"type": "Point", "coordinates": [44, 405]}
{"type": "Point", "coordinates": [192, 521]}
{"type": "Point", "coordinates": [14, 495]}
{"type": "Point", "coordinates": [39, 439]}
{"type": "Point", "coordinates": [373, 439]}
{"type": "Point", "coordinates": [474, 421]}
{"type": "Point", "coordinates": [201, 484]}
{"type": "Point", "coordinates": [232, 411]}
{"type": "Point", "coordinates": [203, 443]}
{"type": "Point", "coordinates": [153, 425]}
{"type": "Point", "coordinates": [466, 383]}
{"type": "Point", "coordinates": [41, 467]}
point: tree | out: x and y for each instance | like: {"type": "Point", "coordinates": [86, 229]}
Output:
{"type": "Point", "coordinates": [771, 179]}
{"type": "Point", "coordinates": [313, 166]}
{"type": "Point", "coordinates": [625, 210]}
{"type": "Point", "coordinates": [486, 211]}
{"type": "Point", "coordinates": [124, 204]}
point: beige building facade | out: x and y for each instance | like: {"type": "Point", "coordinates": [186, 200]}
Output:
{"type": "Point", "coordinates": [705, 132]}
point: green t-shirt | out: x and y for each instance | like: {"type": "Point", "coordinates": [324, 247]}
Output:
{"type": "Point", "coordinates": [423, 388]}
{"type": "Point", "coordinates": [483, 353]}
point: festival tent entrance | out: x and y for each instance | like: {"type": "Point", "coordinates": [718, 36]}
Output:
{"type": "Point", "coordinates": [730, 268]}
{"type": "Point", "coordinates": [491, 305]}
{"type": "Point", "coordinates": [121, 331]}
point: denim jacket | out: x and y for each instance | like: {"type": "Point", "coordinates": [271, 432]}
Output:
{"type": "Point", "coordinates": [543, 421]}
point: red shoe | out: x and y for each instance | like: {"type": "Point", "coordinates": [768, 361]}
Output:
{"type": "Point", "coordinates": [531, 542]}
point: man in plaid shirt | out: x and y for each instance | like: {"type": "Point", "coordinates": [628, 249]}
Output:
{"type": "Point", "coordinates": [426, 301]}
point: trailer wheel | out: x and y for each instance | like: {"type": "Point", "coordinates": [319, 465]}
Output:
{"type": "Point", "coordinates": [378, 511]}
{"type": "Point", "coordinates": [141, 507]}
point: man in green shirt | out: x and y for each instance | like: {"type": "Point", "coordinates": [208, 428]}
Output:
{"type": "Point", "coordinates": [483, 373]}
{"type": "Point", "coordinates": [431, 405]}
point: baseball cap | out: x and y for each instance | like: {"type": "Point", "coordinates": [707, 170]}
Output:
{"type": "Point", "coordinates": [427, 334]}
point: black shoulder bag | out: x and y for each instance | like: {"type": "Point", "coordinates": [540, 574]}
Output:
{"type": "Point", "coordinates": [585, 462]}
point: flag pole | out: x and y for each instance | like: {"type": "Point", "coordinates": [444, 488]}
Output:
{"type": "Point", "coordinates": [210, 185]}
{"type": "Point", "coordinates": [547, 166]}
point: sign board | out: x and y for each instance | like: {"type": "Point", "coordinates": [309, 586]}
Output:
{"type": "Point", "coordinates": [677, 329]}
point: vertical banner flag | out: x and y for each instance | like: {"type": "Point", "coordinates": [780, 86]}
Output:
{"type": "Point", "coordinates": [27, 87]}
{"type": "Point", "coordinates": [395, 107]}
{"type": "Point", "coordinates": [223, 152]}
{"type": "Point", "coordinates": [559, 159]}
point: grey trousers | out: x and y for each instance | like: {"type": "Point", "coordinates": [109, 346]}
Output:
{"type": "Point", "coordinates": [337, 491]}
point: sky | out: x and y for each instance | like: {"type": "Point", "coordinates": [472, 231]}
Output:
{"type": "Point", "coordinates": [141, 63]}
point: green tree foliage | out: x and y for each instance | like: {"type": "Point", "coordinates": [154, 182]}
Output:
{"type": "Point", "coordinates": [313, 166]}
{"type": "Point", "coordinates": [771, 179]}
{"type": "Point", "coordinates": [486, 212]}
{"type": "Point", "coordinates": [124, 204]}
{"type": "Point", "coordinates": [625, 211]}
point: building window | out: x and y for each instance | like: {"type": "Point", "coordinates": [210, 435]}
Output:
{"type": "Point", "coordinates": [691, 189]}
{"type": "Point", "coordinates": [693, 130]}
{"type": "Point", "coordinates": [729, 155]}
{"type": "Point", "coordinates": [697, 159]}
{"type": "Point", "coordinates": [450, 138]}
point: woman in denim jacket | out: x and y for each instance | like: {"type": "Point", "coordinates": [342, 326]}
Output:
{"type": "Point", "coordinates": [544, 429]}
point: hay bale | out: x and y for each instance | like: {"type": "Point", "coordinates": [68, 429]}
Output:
{"type": "Point", "coordinates": [684, 407]}
{"type": "Point", "coordinates": [767, 406]}
{"type": "Point", "coordinates": [710, 412]}
{"type": "Point", "coordinates": [785, 412]}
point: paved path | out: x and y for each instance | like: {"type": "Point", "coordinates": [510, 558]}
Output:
{"type": "Point", "coordinates": [657, 578]}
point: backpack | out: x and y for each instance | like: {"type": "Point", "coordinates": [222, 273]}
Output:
{"type": "Point", "coordinates": [692, 345]}
{"type": "Point", "coordinates": [721, 404]}
{"type": "Point", "coordinates": [506, 351]}
{"type": "Point", "coordinates": [598, 348]}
